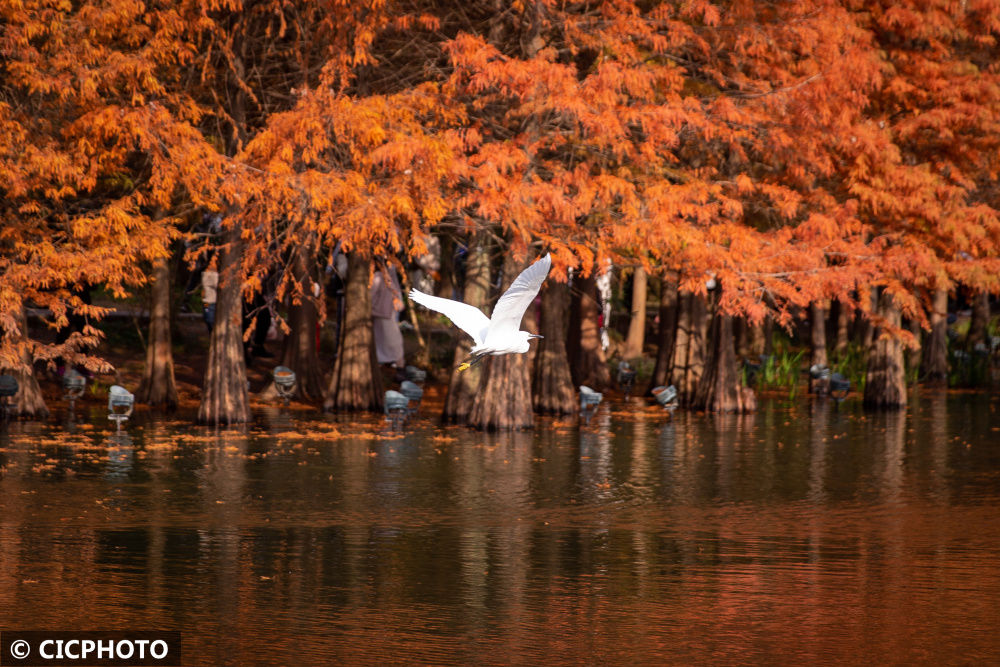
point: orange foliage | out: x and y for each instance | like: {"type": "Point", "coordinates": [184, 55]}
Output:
{"type": "Point", "coordinates": [795, 150]}
{"type": "Point", "coordinates": [93, 146]}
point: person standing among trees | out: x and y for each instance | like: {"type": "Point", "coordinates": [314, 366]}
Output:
{"type": "Point", "coordinates": [387, 302]}
{"type": "Point", "coordinates": [209, 292]}
{"type": "Point", "coordinates": [210, 227]}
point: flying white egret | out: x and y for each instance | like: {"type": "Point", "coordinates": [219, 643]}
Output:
{"type": "Point", "coordinates": [498, 334]}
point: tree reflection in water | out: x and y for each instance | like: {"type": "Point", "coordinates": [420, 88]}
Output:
{"type": "Point", "coordinates": [810, 533]}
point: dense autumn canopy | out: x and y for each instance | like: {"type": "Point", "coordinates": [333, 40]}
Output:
{"type": "Point", "coordinates": [795, 151]}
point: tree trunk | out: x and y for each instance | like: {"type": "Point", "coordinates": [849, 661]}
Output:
{"type": "Point", "coordinates": [980, 318]}
{"type": "Point", "coordinates": [682, 341]}
{"type": "Point", "coordinates": [689, 350]}
{"type": "Point", "coordinates": [159, 387]}
{"type": "Point", "coordinates": [503, 401]}
{"type": "Point", "coordinates": [224, 397]}
{"type": "Point", "coordinates": [591, 366]}
{"type": "Point", "coordinates": [767, 333]}
{"type": "Point", "coordinates": [842, 334]}
{"type": "Point", "coordinates": [866, 326]}
{"type": "Point", "coordinates": [636, 337]}
{"type": "Point", "coordinates": [553, 383]}
{"type": "Point", "coordinates": [356, 383]}
{"type": "Point", "coordinates": [719, 387]}
{"type": "Point", "coordinates": [667, 330]}
{"type": "Point", "coordinates": [818, 357]}
{"type": "Point", "coordinates": [741, 337]}
{"type": "Point", "coordinates": [573, 336]}
{"type": "Point", "coordinates": [885, 384]}
{"type": "Point", "coordinates": [913, 353]}
{"type": "Point", "coordinates": [300, 353]}
{"type": "Point", "coordinates": [935, 352]}
{"type": "Point", "coordinates": [758, 336]}
{"type": "Point", "coordinates": [28, 401]}
{"type": "Point", "coordinates": [446, 272]}
{"type": "Point", "coordinates": [463, 385]}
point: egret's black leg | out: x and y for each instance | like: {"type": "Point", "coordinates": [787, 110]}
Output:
{"type": "Point", "coordinates": [466, 365]}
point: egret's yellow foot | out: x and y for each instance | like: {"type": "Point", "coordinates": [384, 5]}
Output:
{"type": "Point", "coordinates": [465, 365]}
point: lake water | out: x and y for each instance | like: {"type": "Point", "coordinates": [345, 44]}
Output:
{"type": "Point", "coordinates": [799, 535]}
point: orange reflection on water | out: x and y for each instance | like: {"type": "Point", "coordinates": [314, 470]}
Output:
{"type": "Point", "coordinates": [787, 537]}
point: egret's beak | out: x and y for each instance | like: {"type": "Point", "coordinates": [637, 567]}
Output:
{"type": "Point", "coordinates": [531, 335]}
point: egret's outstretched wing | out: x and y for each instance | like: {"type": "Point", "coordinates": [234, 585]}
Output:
{"type": "Point", "coordinates": [510, 308]}
{"type": "Point", "coordinates": [468, 318]}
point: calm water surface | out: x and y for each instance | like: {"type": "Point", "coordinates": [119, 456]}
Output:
{"type": "Point", "coordinates": [798, 535]}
